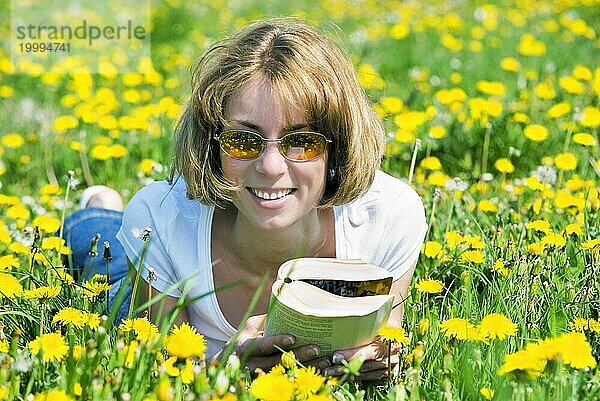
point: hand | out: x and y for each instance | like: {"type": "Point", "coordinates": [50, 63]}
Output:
{"type": "Point", "coordinates": [375, 357]}
{"type": "Point", "coordinates": [260, 352]}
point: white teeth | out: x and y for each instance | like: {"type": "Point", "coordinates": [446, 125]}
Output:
{"type": "Point", "coordinates": [269, 196]}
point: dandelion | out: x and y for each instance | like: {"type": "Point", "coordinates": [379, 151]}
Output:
{"type": "Point", "coordinates": [539, 225]}
{"type": "Point", "coordinates": [571, 85]}
{"type": "Point", "coordinates": [144, 330]}
{"type": "Point", "coordinates": [509, 64]}
{"type": "Point", "coordinates": [499, 267]}
{"type": "Point", "coordinates": [7, 262]}
{"type": "Point", "coordinates": [52, 395]}
{"type": "Point", "coordinates": [552, 239]}
{"type": "Point", "coordinates": [95, 288]}
{"type": "Point", "coordinates": [472, 257]}
{"type": "Point", "coordinates": [12, 140]}
{"type": "Point", "coordinates": [18, 212]}
{"type": "Point", "coordinates": [593, 244]}
{"type": "Point", "coordinates": [558, 110]}
{"type": "Point", "coordinates": [453, 239]}
{"type": "Point", "coordinates": [9, 286]}
{"type": "Point", "coordinates": [432, 249]}
{"type": "Point", "coordinates": [430, 286]}
{"type": "Point", "coordinates": [590, 117]}
{"type": "Point", "coordinates": [536, 132]}
{"type": "Point", "coordinates": [496, 325]}
{"type": "Point", "coordinates": [44, 292]}
{"type": "Point", "coordinates": [308, 382]}
{"type": "Point", "coordinates": [431, 163]}
{"type": "Point", "coordinates": [536, 248]}
{"type": "Point", "coordinates": [437, 132]}
{"type": "Point", "coordinates": [69, 315]}
{"type": "Point", "coordinates": [573, 229]}
{"type": "Point", "coordinates": [185, 342]}
{"type": "Point", "coordinates": [53, 346]}
{"type": "Point", "coordinates": [393, 334]}
{"type": "Point", "coordinates": [46, 223]}
{"type": "Point", "coordinates": [57, 244]}
{"type": "Point", "coordinates": [581, 324]}
{"type": "Point", "coordinates": [3, 348]}
{"type": "Point", "coordinates": [585, 139]}
{"type": "Point", "coordinates": [486, 205]}
{"type": "Point", "coordinates": [524, 362]}
{"type": "Point", "coordinates": [288, 359]}
{"type": "Point", "coordinates": [504, 165]}
{"type": "Point", "coordinates": [566, 161]}
{"type": "Point", "coordinates": [92, 320]}
{"type": "Point", "coordinates": [487, 393]}
{"type": "Point", "coordinates": [458, 328]}
{"type": "Point", "coordinates": [65, 122]}
{"type": "Point", "coordinates": [272, 387]}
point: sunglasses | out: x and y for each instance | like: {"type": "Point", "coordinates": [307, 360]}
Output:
{"type": "Point", "coordinates": [295, 146]}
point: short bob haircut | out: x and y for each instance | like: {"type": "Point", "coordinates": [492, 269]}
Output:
{"type": "Point", "coordinates": [303, 67]}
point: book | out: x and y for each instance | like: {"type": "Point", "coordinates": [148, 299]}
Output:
{"type": "Point", "coordinates": [334, 303]}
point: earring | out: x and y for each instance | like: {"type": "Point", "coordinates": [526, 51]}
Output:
{"type": "Point", "coordinates": [331, 175]}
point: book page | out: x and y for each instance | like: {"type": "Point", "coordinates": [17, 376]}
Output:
{"type": "Point", "coordinates": [353, 288]}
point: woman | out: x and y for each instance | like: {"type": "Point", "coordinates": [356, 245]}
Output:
{"type": "Point", "coordinates": [276, 152]}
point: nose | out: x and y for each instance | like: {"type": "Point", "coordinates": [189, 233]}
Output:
{"type": "Point", "coordinates": [271, 162]}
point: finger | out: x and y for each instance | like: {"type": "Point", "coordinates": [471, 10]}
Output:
{"type": "Point", "coordinates": [374, 350]}
{"type": "Point", "coordinates": [306, 352]}
{"type": "Point", "coordinates": [261, 346]}
{"type": "Point", "coordinates": [335, 370]}
{"type": "Point", "coordinates": [319, 363]}
{"type": "Point", "coordinates": [256, 322]}
{"type": "Point", "coordinates": [377, 364]}
{"type": "Point", "coordinates": [373, 375]}
{"type": "Point", "coordinates": [264, 363]}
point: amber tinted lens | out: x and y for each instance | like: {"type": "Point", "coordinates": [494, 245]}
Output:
{"type": "Point", "coordinates": [241, 144]}
{"type": "Point", "coordinates": [302, 145]}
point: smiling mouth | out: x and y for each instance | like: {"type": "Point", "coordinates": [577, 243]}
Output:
{"type": "Point", "coordinates": [273, 195]}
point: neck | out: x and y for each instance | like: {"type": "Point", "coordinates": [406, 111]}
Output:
{"type": "Point", "coordinates": [266, 249]}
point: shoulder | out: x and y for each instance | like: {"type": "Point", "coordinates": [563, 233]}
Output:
{"type": "Point", "coordinates": [387, 196]}
{"type": "Point", "coordinates": [164, 196]}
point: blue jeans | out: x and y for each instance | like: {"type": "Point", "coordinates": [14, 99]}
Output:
{"type": "Point", "coordinates": [79, 230]}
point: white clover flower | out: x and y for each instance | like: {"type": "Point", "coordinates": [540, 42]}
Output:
{"type": "Point", "coordinates": [545, 174]}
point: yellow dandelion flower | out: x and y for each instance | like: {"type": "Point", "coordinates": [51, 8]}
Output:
{"type": "Point", "coordinates": [590, 117]}
{"type": "Point", "coordinates": [52, 395]}
{"type": "Point", "coordinates": [12, 140]}
{"type": "Point", "coordinates": [3, 348]}
{"type": "Point", "coordinates": [539, 225]}
{"type": "Point", "coordinates": [391, 104]}
{"type": "Point", "coordinates": [7, 262]}
{"type": "Point", "coordinates": [458, 328]}
{"type": "Point", "coordinates": [430, 286]}
{"type": "Point", "coordinates": [566, 161]}
{"type": "Point", "coordinates": [486, 205]}
{"type": "Point", "coordinates": [393, 334]}
{"type": "Point", "coordinates": [472, 257]}
{"type": "Point", "coordinates": [272, 387]}
{"type": "Point", "coordinates": [144, 329]}
{"type": "Point", "coordinates": [44, 292]}
{"type": "Point", "coordinates": [46, 223]}
{"type": "Point", "coordinates": [423, 325]}
{"type": "Point", "coordinates": [185, 342]}
{"type": "Point", "coordinates": [94, 288]}
{"type": "Point", "coordinates": [431, 163]}
{"type": "Point", "coordinates": [521, 118]}
{"type": "Point", "coordinates": [432, 249]}
{"type": "Point", "coordinates": [493, 88]}
{"type": "Point", "coordinates": [558, 110]}
{"type": "Point", "coordinates": [581, 324]}
{"type": "Point", "coordinates": [571, 85]}
{"type": "Point", "coordinates": [57, 244]}
{"type": "Point", "coordinates": [69, 315]}
{"type": "Point", "coordinates": [573, 229]}
{"type": "Point", "coordinates": [496, 325]}
{"type": "Point", "coordinates": [499, 267]}
{"type": "Point", "coordinates": [593, 244]}
{"type": "Point", "coordinates": [525, 362]}
{"type": "Point", "coordinates": [308, 382]}
{"type": "Point", "coordinates": [584, 139]}
{"type": "Point", "coordinates": [504, 165]}
{"type": "Point", "coordinates": [117, 151]}
{"type": "Point", "coordinates": [9, 286]}
{"type": "Point", "coordinates": [536, 248]}
{"type": "Point", "coordinates": [437, 132]}
{"type": "Point", "coordinates": [92, 320]}
{"type": "Point", "coordinates": [18, 212]}
{"type": "Point", "coordinates": [510, 64]}
{"type": "Point", "coordinates": [536, 132]}
{"type": "Point", "coordinates": [576, 351]}
{"type": "Point", "coordinates": [77, 389]}
{"type": "Point", "coordinates": [65, 122]}
{"type": "Point", "coordinates": [555, 240]}
{"type": "Point", "coordinates": [487, 393]}
{"type": "Point", "coordinates": [453, 239]}
{"type": "Point", "coordinates": [52, 345]}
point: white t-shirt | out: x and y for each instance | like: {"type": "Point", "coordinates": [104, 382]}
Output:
{"type": "Point", "coordinates": [384, 227]}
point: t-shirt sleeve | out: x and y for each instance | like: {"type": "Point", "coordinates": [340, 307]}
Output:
{"type": "Point", "coordinates": [404, 233]}
{"type": "Point", "coordinates": [150, 208]}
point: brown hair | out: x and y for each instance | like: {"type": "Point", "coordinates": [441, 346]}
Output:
{"type": "Point", "coordinates": [302, 66]}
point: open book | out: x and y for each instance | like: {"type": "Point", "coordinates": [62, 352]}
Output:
{"type": "Point", "coordinates": [335, 303]}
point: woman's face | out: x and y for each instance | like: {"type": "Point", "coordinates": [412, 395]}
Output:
{"type": "Point", "coordinates": [298, 186]}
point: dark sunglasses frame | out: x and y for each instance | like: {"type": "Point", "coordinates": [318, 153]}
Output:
{"type": "Point", "coordinates": [264, 141]}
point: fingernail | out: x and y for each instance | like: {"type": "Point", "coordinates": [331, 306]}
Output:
{"type": "Point", "coordinates": [287, 341]}
{"type": "Point", "coordinates": [324, 364]}
{"type": "Point", "coordinates": [332, 371]}
{"type": "Point", "coordinates": [312, 352]}
{"type": "Point", "coordinates": [338, 358]}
